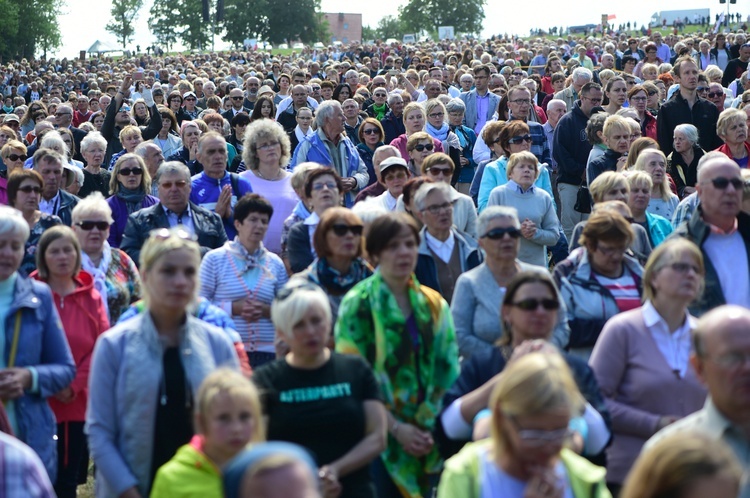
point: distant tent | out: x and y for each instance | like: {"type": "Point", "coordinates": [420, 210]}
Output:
{"type": "Point", "coordinates": [99, 47]}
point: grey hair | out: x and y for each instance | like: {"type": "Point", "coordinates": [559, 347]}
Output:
{"type": "Point", "coordinates": [466, 76]}
{"type": "Point", "coordinates": [429, 187]}
{"type": "Point", "coordinates": [526, 81]}
{"type": "Point", "coordinates": [12, 222]}
{"type": "Point", "coordinates": [455, 105]}
{"type": "Point", "coordinates": [93, 138]}
{"type": "Point", "coordinates": [94, 203]}
{"type": "Point", "coordinates": [209, 84]}
{"type": "Point", "coordinates": [556, 102]}
{"type": "Point", "coordinates": [300, 174]}
{"type": "Point", "coordinates": [351, 72]}
{"type": "Point", "coordinates": [369, 209]}
{"type": "Point", "coordinates": [582, 73]}
{"type": "Point", "coordinates": [52, 138]}
{"type": "Point", "coordinates": [708, 157]}
{"type": "Point", "coordinates": [492, 213]}
{"type": "Point", "coordinates": [392, 98]}
{"type": "Point", "coordinates": [325, 111]}
{"type": "Point", "coordinates": [690, 132]}
{"type": "Point", "coordinates": [142, 148]}
{"type": "Point", "coordinates": [170, 167]}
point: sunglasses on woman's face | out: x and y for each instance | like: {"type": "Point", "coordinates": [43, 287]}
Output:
{"type": "Point", "coordinates": [533, 304]}
{"type": "Point", "coordinates": [341, 230]}
{"type": "Point", "coordinates": [499, 233]}
{"type": "Point", "coordinates": [17, 157]}
{"type": "Point", "coordinates": [520, 139]}
{"type": "Point", "coordinates": [131, 171]}
{"type": "Point", "coordinates": [27, 189]}
{"type": "Point", "coordinates": [421, 147]}
{"type": "Point", "coordinates": [90, 225]}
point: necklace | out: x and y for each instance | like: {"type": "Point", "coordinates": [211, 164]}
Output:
{"type": "Point", "coordinates": [260, 175]}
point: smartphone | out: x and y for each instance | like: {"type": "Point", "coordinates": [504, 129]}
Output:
{"type": "Point", "coordinates": [138, 75]}
{"type": "Point", "coordinates": [393, 72]}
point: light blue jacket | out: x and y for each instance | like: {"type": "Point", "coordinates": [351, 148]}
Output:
{"type": "Point", "coordinates": [495, 174]}
{"type": "Point", "coordinates": [42, 345]}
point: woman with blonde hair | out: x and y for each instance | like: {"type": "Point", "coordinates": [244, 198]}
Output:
{"type": "Point", "coordinates": [732, 129]}
{"type": "Point", "coordinates": [641, 186]}
{"type": "Point", "coordinates": [414, 121]}
{"type": "Point", "coordinates": [663, 202]}
{"type": "Point", "coordinates": [531, 405]}
{"type": "Point", "coordinates": [685, 465]}
{"type": "Point", "coordinates": [129, 187]}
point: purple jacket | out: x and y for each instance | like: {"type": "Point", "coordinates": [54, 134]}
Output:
{"type": "Point", "coordinates": [120, 215]}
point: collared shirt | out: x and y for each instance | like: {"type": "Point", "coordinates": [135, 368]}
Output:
{"type": "Point", "coordinates": [483, 103]}
{"type": "Point", "coordinates": [312, 223]}
{"type": "Point", "coordinates": [513, 186]}
{"type": "Point", "coordinates": [674, 346]}
{"type": "Point", "coordinates": [389, 201]}
{"type": "Point", "coordinates": [550, 133]}
{"type": "Point", "coordinates": [50, 206]}
{"type": "Point", "coordinates": [727, 253]}
{"type": "Point", "coordinates": [539, 143]}
{"type": "Point", "coordinates": [185, 219]}
{"type": "Point", "coordinates": [442, 249]}
{"type": "Point", "coordinates": [22, 470]}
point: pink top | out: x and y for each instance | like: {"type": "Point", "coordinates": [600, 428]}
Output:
{"type": "Point", "coordinates": [282, 197]}
{"type": "Point", "coordinates": [3, 191]}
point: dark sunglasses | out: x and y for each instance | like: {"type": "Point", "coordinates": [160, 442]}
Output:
{"type": "Point", "coordinates": [713, 95]}
{"type": "Point", "coordinates": [131, 171]}
{"type": "Point", "coordinates": [533, 304]}
{"type": "Point", "coordinates": [169, 185]}
{"type": "Point", "coordinates": [190, 99]}
{"type": "Point", "coordinates": [90, 225]}
{"type": "Point", "coordinates": [237, 98]}
{"type": "Point", "coordinates": [420, 147]}
{"type": "Point", "coordinates": [340, 230]}
{"type": "Point", "coordinates": [702, 89]}
{"type": "Point", "coordinates": [440, 171]}
{"type": "Point", "coordinates": [371, 131]}
{"type": "Point", "coordinates": [722, 183]}
{"type": "Point", "coordinates": [16, 157]}
{"type": "Point", "coordinates": [27, 189]}
{"type": "Point", "coordinates": [499, 233]}
{"type": "Point", "coordinates": [520, 139]}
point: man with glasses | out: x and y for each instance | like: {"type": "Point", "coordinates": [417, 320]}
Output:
{"type": "Point", "coordinates": [175, 209]}
{"type": "Point", "coordinates": [64, 119]}
{"type": "Point", "coordinates": [570, 95]}
{"type": "Point", "coordinates": [237, 98]}
{"type": "Point", "coordinates": [737, 66]}
{"type": "Point", "coordinates": [480, 103]}
{"type": "Point", "coordinates": [444, 251]}
{"type": "Point", "coordinates": [721, 359]}
{"type": "Point", "coordinates": [571, 149]}
{"type": "Point", "coordinates": [685, 106]}
{"type": "Point", "coordinates": [722, 231]}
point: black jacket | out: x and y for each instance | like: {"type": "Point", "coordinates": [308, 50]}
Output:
{"type": "Point", "coordinates": [676, 110]}
{"type": "Point", "coordinates": [605, 162]}
{"type": "Point", "coordinates": [298, 247]}
{"type": "Point", "coordinates": [112, 134]}
{"type": "Point", "coordinates": [392, 126]}
{"type": "Point", "coordinates": [65, 208]}
{"type": "Point", "coordinates": [208, 227]}
{"type": "Point", "coordinates": [571, 146]}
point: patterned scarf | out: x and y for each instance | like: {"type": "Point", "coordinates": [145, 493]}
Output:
{"type": "Point", "coordinates": [337, 284]}
{"type": "Point", "coordinates": [132, 198]}
{"type": "Point", "coordinates": [242, 256]}
{"type": "Point", "coordinates": [99, 272]}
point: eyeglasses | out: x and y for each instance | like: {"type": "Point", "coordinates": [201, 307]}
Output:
{"type": "Point", "coordinates": [269, 145]}
{"type": "Point", "coordinates": [516, 73]}
{"type": "Point", "coordinates": [169, 185]}
{"type": "Point", "coordinates": [131, 171]}
{"type": "Point", "coordinates": [713, 95]}
{"type": "Point", "coordinates": [639, 99]}
{"type": "Point", "coordinates": [341, 230]}
{"type": "Point", "coordinates": [371, 131]}
{"type": "Point", "coordinates": [58, 114]}
{"type": "Point", "coordinates": [421, 147]}
{"type": "Point", "coordinates": [521, 101]}
{"type": "Point", "coordinates": [321, 186]}
{"type": "Point", "coordinates": [731, 361]}
{"type": "Point", "coordinates": [440, 171]}
{"type": "Point", "coordinates": [652, 93]}
{"type": "Point", "coordinates": [701, 89]}
{"type": "Point", "coordinates": [520, 139]}
{"type": "Point", "coordinates": [722, 183]}
{"type": "Point", "coordinates": [378, 85]}
{"type": "Point", "coordinates": [437, 208]}
{"type": "Point", "coordinates": [27, 189]}
{"type": "Point", "coordinates": [539, 438]}
{"type": "Point", "coordinates": [499, 233]}
{"type": "Point", "coordinates": [532, 304]}
{"type": "Point", "coordinates": [611, 251]}
{"type": "Point", "coordinates": [315, 88]}
{"type": "Point", "coordinates": [90, 225]}
{"type": "Point", "coordinates": [683, 268]}
{"type": "Point", "coordinates": [436, 115]}
{"type": "Point", "coordinates": [380, 95]}
{"type": "Point", "coordinates": [190, 99]}
{"type": "Point", "coordinates": [17, 157]}
{"type": "Point", "coordinates": [237, 98]}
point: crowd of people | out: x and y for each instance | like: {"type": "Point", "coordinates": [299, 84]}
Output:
{"type": "Point", "coordinates": [517, 268]}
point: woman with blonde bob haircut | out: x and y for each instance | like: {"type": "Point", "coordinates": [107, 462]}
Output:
{"type": "Point", "coordinates": [663, 202]}
{"type": "Point", "coordinates": [685, 465]}
{"type": "Point", "coordinates": [532, 403]}
{"type": "Point", "coordinates": [732, 128]}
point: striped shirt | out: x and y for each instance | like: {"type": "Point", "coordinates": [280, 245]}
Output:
{"type": "Point", "coordinates": [623, 289]}
{"type": "Point", "coordinates": [223, 281]}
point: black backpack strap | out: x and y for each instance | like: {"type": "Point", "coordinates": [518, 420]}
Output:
{"type": "Point", "coordinates": [234, 180]}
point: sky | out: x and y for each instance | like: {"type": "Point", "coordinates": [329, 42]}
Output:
{"type": "Point", "coordinates": [83, 22]}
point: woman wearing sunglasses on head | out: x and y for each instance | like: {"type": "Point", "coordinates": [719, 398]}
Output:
{"type": "Point", "coordinates": [339, 266]}
{"type": "Point", "coordinates": [477, 292]}
{"type": "Point", "coordinates": [532, 405]}
{"type": "Point", "coordinates": [513, 138]}
{"type": "Point", "coordinates": [641, 359]}
{"type": "Point", "coordinates": [24, 193]}
{"type": "Point", "coordinates": [115, 274]}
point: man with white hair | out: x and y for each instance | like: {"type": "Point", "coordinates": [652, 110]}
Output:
{"type": "Point", "coordinates": [580, 77]}
{"type": "Point", "coordinates": [331, 147]}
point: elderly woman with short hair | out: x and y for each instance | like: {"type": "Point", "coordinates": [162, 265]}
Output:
{"type": "Point", "coordinates": [540, 226]}
{"type": "Point", "coordinates": [266, 153]}
{"type": "Point", "coordinates": [657, 227]}
{"type": "Point", "coordinates": [130, 137]}
{"type": "Point", "coordinates": [115, 274]}
{"type": "Point", "coordinates": [732, 128]}
{"type": "Point", "coordinates": [663, 202]}
{"type": "Point", "coordinates": [466, 138]}
{"type": "Point", "coordinates": [683, 160]}
{"type": "Point", "coordinates": [129, 185]}
{"type": "Point", "coordinates": [474, 307]}
{"type": "Point", "coordinates": [96, 178]}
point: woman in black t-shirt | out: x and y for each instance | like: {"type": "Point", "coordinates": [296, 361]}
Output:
{"type": "Point", "coordinates": [327, 402]}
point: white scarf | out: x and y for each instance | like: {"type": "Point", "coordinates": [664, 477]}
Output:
{"type": "Point", "coordinates": [301, 136]}
{"type": "Point", "coordinates": [99, 273]}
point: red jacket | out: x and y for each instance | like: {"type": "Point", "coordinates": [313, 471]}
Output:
{"type": "Point", "coordinates": [84, 318]}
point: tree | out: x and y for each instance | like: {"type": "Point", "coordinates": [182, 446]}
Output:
{"type": "Point", "coordinates": [290, 20]}
{"type": "Point", "coordinates": [37, 27]}
{"type": "Point", "coordinates": [240, 22]}
{"type": "Point", "coordinates": [124, 13]}
{"type": "Point", "coordinates": [465, 16]}
{"type": "Point", "coordinates": [390, 27]}
{"type": "Point", "coordinates": [369, 33]}
{"type": "Point", "coordinates": [181, 20]}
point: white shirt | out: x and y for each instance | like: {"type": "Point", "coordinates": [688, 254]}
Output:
{"type": "Point", "coordinates": [51, 206]}
{"type": "Point", "coordinates": [312, 223]}
{"type": "Point", "coordinates": [442, 250]}
{"type": "Point", "coordinates": [729, 257]}
{"type": "Point", "coordinates": [673, 346]}
{"type": "Point", "coordinates": [184, 219]}
{"type": "Point", "coordinates": [388, 201]}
